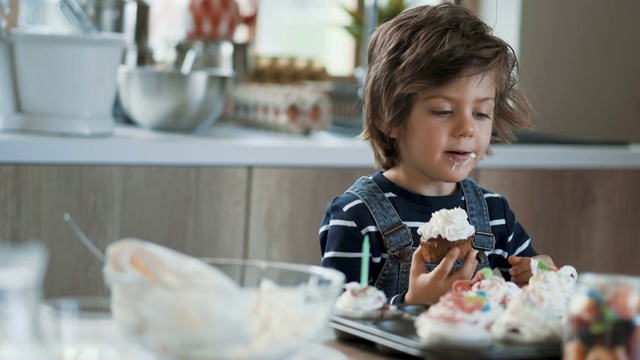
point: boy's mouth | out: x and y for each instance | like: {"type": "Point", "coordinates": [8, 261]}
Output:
{"type": "Point", "coordinates": [460, 156]}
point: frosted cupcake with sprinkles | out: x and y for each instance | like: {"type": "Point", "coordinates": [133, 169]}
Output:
{"type": "Point", "coordinates": [463, 316]}
{"type": "Point", "coordinates": [538, 314]}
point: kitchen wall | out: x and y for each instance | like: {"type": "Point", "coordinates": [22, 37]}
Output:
{"type": "Point", "coordinates": [580, 62]}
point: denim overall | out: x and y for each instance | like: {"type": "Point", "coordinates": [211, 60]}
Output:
{"type": "Point", "coordinates": [394, 277]}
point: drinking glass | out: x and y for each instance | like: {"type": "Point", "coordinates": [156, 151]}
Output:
{"type": "Point", "coordinates": [82, 328]}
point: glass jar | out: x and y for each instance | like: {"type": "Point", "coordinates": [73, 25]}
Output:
{"type": "Point", "coordinates": [22, 271]}
{"type": "Point", "coordinates": [604, 318]}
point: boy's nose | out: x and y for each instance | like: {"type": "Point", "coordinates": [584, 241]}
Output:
{"type": "Point", "coordinates": [464, 126]}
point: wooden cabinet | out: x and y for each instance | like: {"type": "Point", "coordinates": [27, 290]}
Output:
{"type": "Point", "coordinates": [286, 209]}
{"type": "Point", "coordinates": [579, 217]}
{"type": "Point", "coordinates": [584, 218]}
{"type": "Point", "coordinates": [199, 211]}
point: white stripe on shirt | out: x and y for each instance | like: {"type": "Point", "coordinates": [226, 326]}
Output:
{"type": "Point", "coordinates": [341, 254]}
{"type": "Point", "coordinates": [337, 223]}
{"type": "Point", "coordinates": [500, 252]}
{"type": "Point", "coordinates": [498, 222]}
{"type": "Point", "coordinates": [369, 229]}
{"type": "Point", "coordinates": [359, 201]}
{"type": "Point", "coordinates": [522, 247]}
{"type": "Point", "coordinates": [351, 204]}
{"type": "Point", "coordinates": [342, 223]}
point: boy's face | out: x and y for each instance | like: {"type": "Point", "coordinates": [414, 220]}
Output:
{"type": "Point", "coordinates": [447, 126]}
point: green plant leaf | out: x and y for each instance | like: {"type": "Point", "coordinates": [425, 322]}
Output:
{"type": "Point", "coordinates": [355, 15]}
{"type": "Point", "coordinates": [385, 13]}
{"type": "Point", "coordinates": [355, 30]}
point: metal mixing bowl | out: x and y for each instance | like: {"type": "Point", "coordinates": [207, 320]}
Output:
{"type": "Point", "coordinates": [166, 99]}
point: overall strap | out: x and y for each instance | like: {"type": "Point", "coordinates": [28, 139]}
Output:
{"type": "Point", "coordinates": [397, 236]}
{"type": "Point", "coordinates": [483, 239]}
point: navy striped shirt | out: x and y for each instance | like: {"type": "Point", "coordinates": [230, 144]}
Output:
{"type": "Point", "coordinates": [347, 220]}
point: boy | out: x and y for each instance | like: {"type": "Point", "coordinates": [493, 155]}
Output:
{"type": "Point", "coordinates": [439, 88]}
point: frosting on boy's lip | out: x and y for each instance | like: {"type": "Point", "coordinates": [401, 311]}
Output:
{"type": "Point", "coordinates": [460, 155]}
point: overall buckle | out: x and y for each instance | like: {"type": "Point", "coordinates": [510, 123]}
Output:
{"type": "Point", "coordinates": [483, 242]}
{"type": "Point", "coordinates": [403, 254]}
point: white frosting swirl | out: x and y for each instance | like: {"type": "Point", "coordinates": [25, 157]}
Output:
{"type": "Point", "coordinates": [357, 300]}
{"type": "Point", "coordinates": [451, 224]}
{"type": "Point", "coordinates": [538, 313]}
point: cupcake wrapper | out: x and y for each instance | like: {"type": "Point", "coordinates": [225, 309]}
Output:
{"type": "Point", "coordinates": [434, 250]}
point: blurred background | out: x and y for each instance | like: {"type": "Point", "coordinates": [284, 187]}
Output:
{"type": "Point", "coordinates": [290, 66]}
{"type": "Point", "coordinates": [580, 60]}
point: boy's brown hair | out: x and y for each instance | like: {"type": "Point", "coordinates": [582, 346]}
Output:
{"type": "Point", "coordinates": [425, 48]}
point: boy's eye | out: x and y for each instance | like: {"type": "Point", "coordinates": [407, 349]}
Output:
{"type": "Point", "coordinates": [482, 116]}
{"type": "Point", "coordinates": [441, 112]}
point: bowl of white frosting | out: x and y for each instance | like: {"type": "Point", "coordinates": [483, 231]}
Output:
{"type": "Point", "coordinates": [182, 307]}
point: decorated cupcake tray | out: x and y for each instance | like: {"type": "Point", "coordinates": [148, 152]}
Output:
{"type": "Point", "coordinates": [397, 334]}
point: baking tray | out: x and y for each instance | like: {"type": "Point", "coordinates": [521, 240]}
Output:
{"type": "Point", "coordinates": [397, 334]}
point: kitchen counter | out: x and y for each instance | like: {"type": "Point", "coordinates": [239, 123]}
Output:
{"type": "Point", "coordinates": [228, 144]}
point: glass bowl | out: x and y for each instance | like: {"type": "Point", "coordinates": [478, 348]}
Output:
{"type": "Point", "coordinates": [258, 310]}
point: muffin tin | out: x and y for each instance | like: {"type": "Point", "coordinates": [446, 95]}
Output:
{"type": "Point", "coordinates": [394, 332]}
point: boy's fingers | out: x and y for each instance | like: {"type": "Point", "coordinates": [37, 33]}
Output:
{"type": "Point", "coordinates": [417, 263]}
{"type": "Point", "coordinates": [469, 266]}
{"type": "Point", "coordinates": [515, 260]}
{"type": "Point", "coordinates": [444, 268]}
{"type": "Point", "coordinates": [521, 265]}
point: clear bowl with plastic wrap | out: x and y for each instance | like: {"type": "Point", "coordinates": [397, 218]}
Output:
{"type": "Point", "coordinates": [254, 310]}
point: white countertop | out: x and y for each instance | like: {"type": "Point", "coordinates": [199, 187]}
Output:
{"type": "Point", "coordinates": [234, 145]}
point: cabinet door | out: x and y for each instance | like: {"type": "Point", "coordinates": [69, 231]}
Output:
{"type": "Point", "coordinates": [584, 218]}
{"type": "Point", "coordinates": [287, 206]}
{"type": "Point", "coordinates": [199, 211]}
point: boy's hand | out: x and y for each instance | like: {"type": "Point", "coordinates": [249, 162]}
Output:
{"type": "Point", "coordinates": [427, 287]}
{"type": "Point", "coordinates": [521, 268]}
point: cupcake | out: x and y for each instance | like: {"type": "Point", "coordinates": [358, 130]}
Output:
{"type": "Point", "coordinates": [448, 228]}
{"type": "Point", "coordinates": [538, 313]}
{"type": "Point", "coordinates": [360, 302]}
{"type": "Point", "coordinates": [463, 316]}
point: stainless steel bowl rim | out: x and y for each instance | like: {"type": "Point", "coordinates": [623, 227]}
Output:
{"type": "Point", "coordinates": [220, 72]}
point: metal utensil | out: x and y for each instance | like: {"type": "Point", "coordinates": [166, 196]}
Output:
{"type": "Point", "coordinates": [83, 238]}
{"type": "Point", "coordinates": [189, 60]}
{"type": "Point", "coordinates": [77, 17]}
